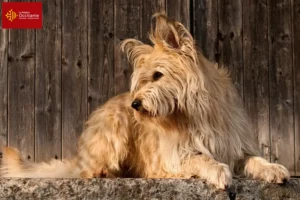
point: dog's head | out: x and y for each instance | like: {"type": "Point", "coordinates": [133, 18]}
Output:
{"type": "Point", "coordinates": [165, 74]}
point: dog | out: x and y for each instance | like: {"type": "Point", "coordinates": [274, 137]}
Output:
{"type": "Point", "coordinates": [182, 118]}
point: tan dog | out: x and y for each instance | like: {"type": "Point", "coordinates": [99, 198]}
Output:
{"type": "Point", "coordinates": [182, 118]}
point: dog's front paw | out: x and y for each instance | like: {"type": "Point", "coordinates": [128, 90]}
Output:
{"type": "Point", "coordinates": [220, 176]}
{"type": "Point", "coordinates": [274, 173]}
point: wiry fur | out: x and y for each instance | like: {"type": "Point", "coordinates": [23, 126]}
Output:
{"type": "Point", "coordinates": [191, 121]}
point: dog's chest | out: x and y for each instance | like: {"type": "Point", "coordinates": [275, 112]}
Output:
{"type": "Point", "coordinates": [157, 148]}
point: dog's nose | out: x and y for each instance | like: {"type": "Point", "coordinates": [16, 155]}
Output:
{"type": "Point", "coordinates": [136, 104]}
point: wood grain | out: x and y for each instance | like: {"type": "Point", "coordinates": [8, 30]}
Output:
{"type": "Point", "coordinates": [296, 72]}
{"type": "Point", "coordinates": [179, 10]}
{"type": "Point", "coordinates": [231, 40]}
{"type": "Point", "coordinates": [21, 72]}
{"type": "Point", "coordinates": [48, 84]}
{"type": "Point", "coordinates": [3, 85]}
{"type": "Point", "coordinates": [127, 25]}
{"type": "Point", "coordinates": [148, 9]}
{"type": "Point", "coordinates": [256, 70]}
{"type": "Point", "coordinates": [101, 51]}
{"type": "Point", "coordinates": [205, 22]}
{"type": "Point", "coordinates": [74, 73]}
{"type": "Point", "coordinates": [281, 83]}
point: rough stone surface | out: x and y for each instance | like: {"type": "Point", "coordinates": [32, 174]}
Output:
{"type": "Point", "coordinates": [90, 189]}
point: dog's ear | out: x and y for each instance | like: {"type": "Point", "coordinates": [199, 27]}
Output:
{"type": "Point", "coordinates": [163, 30]}
{"type": "Point", "coordinates": [168, 33]}
{"type": "Point", "coordinates": [128, 45]}
{"type": "Point", "coordinates": [134, 49]}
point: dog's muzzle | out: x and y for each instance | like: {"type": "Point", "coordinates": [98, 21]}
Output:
{"type": "Point", "coordinates": [136, 104]}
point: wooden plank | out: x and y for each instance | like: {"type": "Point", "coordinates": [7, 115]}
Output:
{"type": "Point", "coordinates": [127, 25]}
{"type": "Point", "coordinates": [101, 51]}
{"type": "Point", "coordinates": [21, 65]}
{"type": "Point", "coordinates": [3, 85]}
{"type": "Point", "coordinates": [230, 39]}
{"type": "Point", "coordinates": [74, 73]}
{"type": "Point", "coordinates": [148, 9]}
{"type": "Point", "coordinates": [296, 70]}
{"type": "Point", "coordinates": [256, 70]}
{"type": "Point", "coordinates": [281, 83]}
{"type": "Point", "coordinates": [48, 84]}
{"type": "Point", "coordinates": [205, 22]}
{"type": "Point", "coordinates": [179, 10]}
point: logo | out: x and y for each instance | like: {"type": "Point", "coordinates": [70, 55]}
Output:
{"type": "Point", "coordinates": [22, 15]}
{"type": "Point", "coordinates": [11, 15]}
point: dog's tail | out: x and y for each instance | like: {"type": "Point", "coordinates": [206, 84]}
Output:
{"type": "Point", "coordinates": [13, 165]}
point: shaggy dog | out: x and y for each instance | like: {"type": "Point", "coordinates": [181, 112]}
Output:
{"type": "Point", "coordinates": [181, 118]}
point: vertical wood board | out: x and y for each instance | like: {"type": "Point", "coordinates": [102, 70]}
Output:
{"type": "Point", "coordinates": [48, 84]}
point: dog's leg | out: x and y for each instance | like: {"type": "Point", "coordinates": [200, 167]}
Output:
{"type": "Point", "coordinates": [209, 169]}
{"type": "Point", "coordinates": [101, 152]}
{"type": "Point", "coordinates": [259, 168]}
{"type": "Point", "coordinates": [103, 146]}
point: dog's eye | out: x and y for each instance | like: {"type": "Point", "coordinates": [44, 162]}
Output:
{"type": "Point", "coordinates": [157, 75]}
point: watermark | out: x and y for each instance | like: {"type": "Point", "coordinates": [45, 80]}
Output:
{"type": "Point", "coordinates": [22, 15]}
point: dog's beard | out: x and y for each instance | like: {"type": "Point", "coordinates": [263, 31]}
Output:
{"type": "Point", "coordinates": [158, 103]}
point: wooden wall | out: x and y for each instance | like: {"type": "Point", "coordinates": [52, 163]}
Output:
{"type": "Point", "coordinates": [52, 79]}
